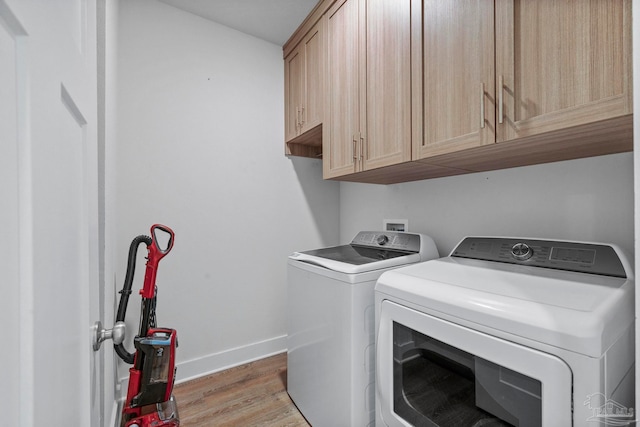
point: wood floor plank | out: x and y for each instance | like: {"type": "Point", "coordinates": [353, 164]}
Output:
{"type": "Point", "coordinates": [253, 394]}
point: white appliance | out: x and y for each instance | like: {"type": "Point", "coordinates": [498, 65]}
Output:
{"type": "Point", "coordinates": [507, 332]}
{"type": "Point", "coordinates": [331, 323]}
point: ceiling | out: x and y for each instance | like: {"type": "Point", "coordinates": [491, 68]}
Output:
{"type": "Point", "coordinates": [271, 20]}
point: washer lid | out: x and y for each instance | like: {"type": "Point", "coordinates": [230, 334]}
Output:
{"type": "Point", "coordinates": [357, 255]}
{"type": "Point", "coordinates": [580, 312]}
{"type": "Point", "coordinates": [350, 259]}
{"type": "Point", "coordinates": [372, 250]}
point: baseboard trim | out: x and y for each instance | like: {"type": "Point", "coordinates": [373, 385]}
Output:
{"type": "Point", "coordinates": [212, 363]}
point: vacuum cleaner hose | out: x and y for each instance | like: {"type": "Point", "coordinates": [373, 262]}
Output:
{"type": "Point", "coordinates": [126, 291]}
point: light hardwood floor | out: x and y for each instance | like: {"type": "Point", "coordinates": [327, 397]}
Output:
{"type": "Point", "coordinates": [253, 394]}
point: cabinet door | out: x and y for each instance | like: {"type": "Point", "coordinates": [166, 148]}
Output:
{"type": "Point", "coordinates": [458, 109]}
{"type": "Point", "coordinates": [386, 124]}
{"type": "Point", "coordinates": [341, 134]}
{"type": "Point", "coordinates": [561, 63]}
{"type": "Point", "coordinates": [311, 113]}
{"type": "Point", "coordinates": [293, 81]}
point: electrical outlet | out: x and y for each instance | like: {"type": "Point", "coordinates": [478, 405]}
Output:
{"type": "Point", "coordinates": [395, 225]}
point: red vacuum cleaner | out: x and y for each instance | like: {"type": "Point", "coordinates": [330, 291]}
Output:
{"type": "Point", "coordinates": [150, 401]}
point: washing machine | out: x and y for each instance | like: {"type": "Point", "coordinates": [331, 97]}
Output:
{"type": "Point", "coordinates": [507, 331]}
{"type": "Point", "coordinates": [331, 323]}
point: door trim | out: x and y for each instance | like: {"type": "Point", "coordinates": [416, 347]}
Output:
{"type": "Point", "coordinates": [12, 25]}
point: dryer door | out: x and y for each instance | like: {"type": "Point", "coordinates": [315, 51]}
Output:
{"type": "Point", "coordinates": [434, 372]}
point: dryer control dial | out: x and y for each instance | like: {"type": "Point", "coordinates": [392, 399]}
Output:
{"type": "Point", "coordinates": [382, 240]}
{"type": "Point", "coordinates": [521, 251]}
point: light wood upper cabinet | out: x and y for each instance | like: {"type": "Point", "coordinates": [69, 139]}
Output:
{"type": "Point", "coordinates": [304, 76]}
{"type": "Point", "coordinates": [368, 85]}
{"type": "Point", "coordinates": [416, 89]}
{"type": "Point", "coordinates": [561, 64]}
{"type": "Point", "coordinates": [502, 70]}
{"type": "Point", "coordinates": [457, 77]}
{"type": "Point", "coordinates": [388, 83]}
{"type": "Point", "coordinates": [341, 137]}
{"type": "Point", "coordinates": [293, 78]}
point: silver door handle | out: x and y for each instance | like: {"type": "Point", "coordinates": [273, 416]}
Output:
{"type": "Point", "coordinates": [100, 334]}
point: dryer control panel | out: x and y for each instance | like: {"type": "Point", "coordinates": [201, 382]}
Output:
{"type": "Point", "coordinates": [560, 255]}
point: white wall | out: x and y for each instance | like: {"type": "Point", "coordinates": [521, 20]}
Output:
{"type": "Point", "coordinates": [588, 199]}
{"type": "Point", "coordinates": [200, 149]}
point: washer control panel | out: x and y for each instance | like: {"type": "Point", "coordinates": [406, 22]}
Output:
{"type": "Point", "coordinates": [570, 256]}
{"type": "Point", "coordinates": [392, 240]}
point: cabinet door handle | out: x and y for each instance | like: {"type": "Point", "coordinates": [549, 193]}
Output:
{"type": "Point", "coordinates": [500, 99]}
{"type": "Point", "coordinates": [481, 105]}
{"type": "Point", "coordinates": [301, 115]}
{"type": "Point", "coordinates": [361, 147]}
{"type": "Point", "coordinates": [355, 143]}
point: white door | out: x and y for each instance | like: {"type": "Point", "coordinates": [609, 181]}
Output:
{"type": "Point", "coordinates": [49, 250]}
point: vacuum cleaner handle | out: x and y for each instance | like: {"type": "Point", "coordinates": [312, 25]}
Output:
{"type": "Point", "coordinates": [158, 246]}
{"type": "Point", "coordinates": [126, 291]}
{"type": "Point", "coordinates": [161, 244]}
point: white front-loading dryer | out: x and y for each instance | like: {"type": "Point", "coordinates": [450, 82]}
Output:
{"type": "Point", "coordinates": [507, 331]}
{"type": "Point", "coordinates": [331, 324]}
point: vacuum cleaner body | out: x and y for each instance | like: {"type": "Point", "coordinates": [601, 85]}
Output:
{"type": "Point", "coordinates": [149, 401]}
